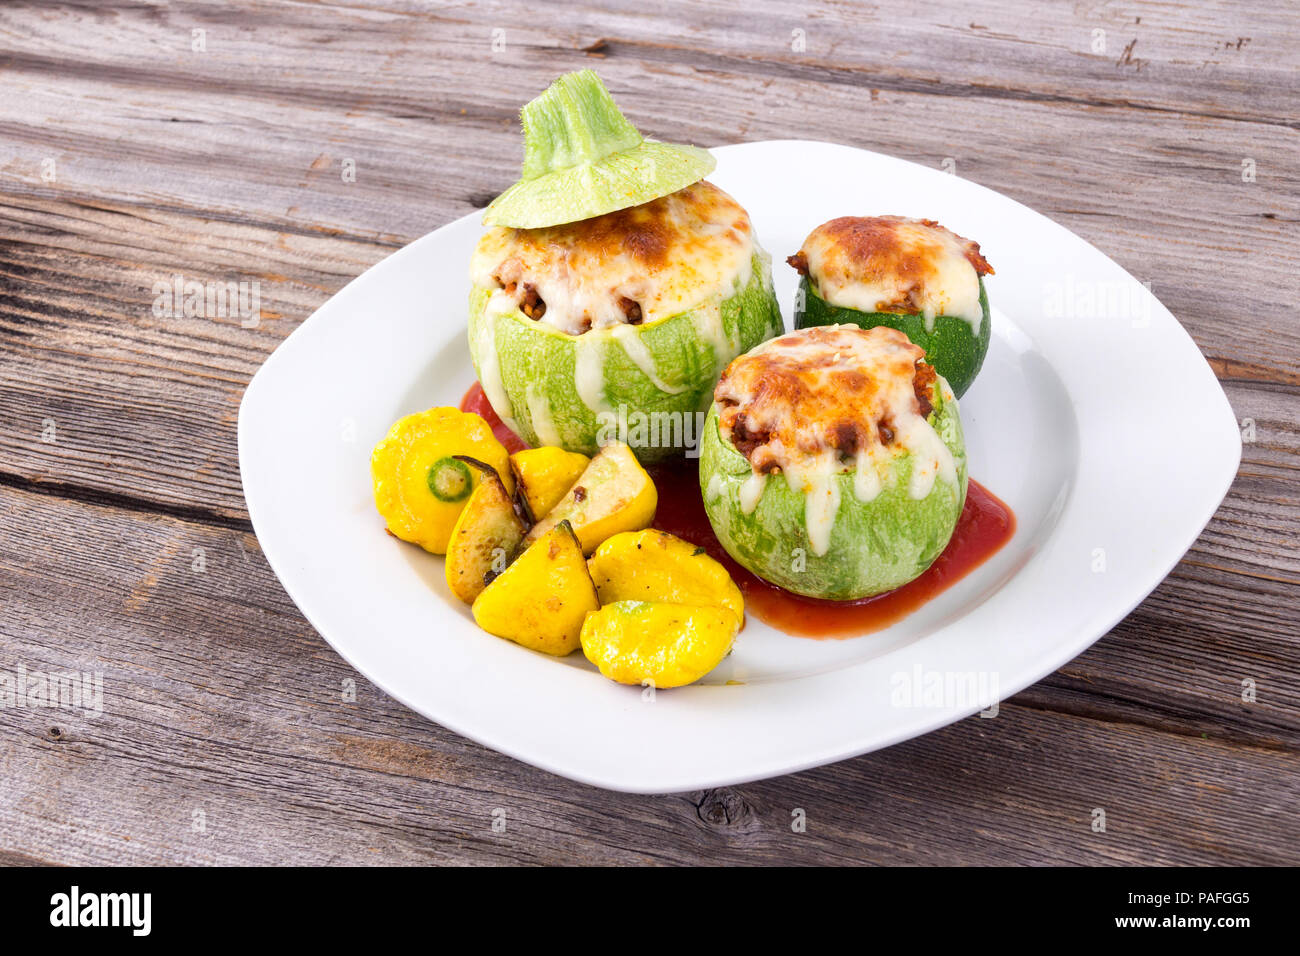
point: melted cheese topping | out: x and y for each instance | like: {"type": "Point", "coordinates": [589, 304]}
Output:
{"type": "Point", "coordinates": [636, 265]}
{"type": "Point", "coordinates": [892, 264]}
{"type": "Point", "coordinates": [824, 401]}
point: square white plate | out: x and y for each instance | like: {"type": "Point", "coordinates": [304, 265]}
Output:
{"type": "Point", "coordinates": [1095, 417]}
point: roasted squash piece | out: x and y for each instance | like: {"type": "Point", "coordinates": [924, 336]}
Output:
{"type": "Point", "coordinates": [541, 599]}
{"type": "Point", "coordinates": [656, 643]}
{"type": "Point", "coordinates": [485, 535]}
{"type": "Point", "coordinates": [653, 565]}
{"type": "Point", "coordinates": [543, 476]}
{"type": "Point", "coordinates": [613, 494]}
{"type": "Point", "coordinates": [420, 485]}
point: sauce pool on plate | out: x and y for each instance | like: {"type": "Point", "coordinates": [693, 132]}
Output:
{"type": "Point", "coordinates": [986, 524]}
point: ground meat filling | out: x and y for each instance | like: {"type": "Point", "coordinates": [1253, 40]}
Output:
{"type": "Point", "coordinates": [799, 262]}
{"type": "Point", "coordinates": [774, 404]}
{"type": "Point", "coordinates": [632, 309]}
{"type": "Point", "coordinates": [923, 386]}
{"type": "Point", "coordinates": [747, 441]}
{"type": "Point", "coordinates": [531, 303]}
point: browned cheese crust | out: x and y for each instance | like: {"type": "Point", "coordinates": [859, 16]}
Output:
{"type": "Point", "coordinates": [803, 394]}
{"type": "Point", "coordinates": [868, 248]}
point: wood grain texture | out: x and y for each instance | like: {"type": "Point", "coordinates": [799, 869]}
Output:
{"type": "Point", "coordinates": [129, 157]}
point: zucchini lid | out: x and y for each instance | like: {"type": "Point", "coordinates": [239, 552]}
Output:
{"type": "Point", "coordinates": [582, 158]}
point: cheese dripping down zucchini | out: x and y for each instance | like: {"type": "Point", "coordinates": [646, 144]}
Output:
{"type": "Point", "coordinates": [827, 401]}
{"type": "Point", "coordinates": [832, 462]}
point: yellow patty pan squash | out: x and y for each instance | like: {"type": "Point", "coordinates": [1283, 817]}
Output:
{"type": "Point", "coordinates": [542, 598]}
{"type": "Point", "coordinates": [653, 565]}
{"type": "Point", "coordinates": [654, 643]}
{"type": "Point", "coordinates": [544, 475]}
{"type": "Point", "coordinates": [485, 536]}
{"type": "Point", "coordinates": [420, 484]}
{"type": "Point", "coordinates": [614, 493]}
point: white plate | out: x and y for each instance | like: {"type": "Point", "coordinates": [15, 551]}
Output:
{"type": "Point", "coordinates": [1102, 426]}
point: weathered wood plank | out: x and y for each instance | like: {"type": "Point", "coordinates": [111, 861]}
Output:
{"type": "Point", "coordinates": [1214, 59]}
{"type": "Point", "coordinates": [97, 391]}
{"type": "Point", "coordinates": [219, 699]}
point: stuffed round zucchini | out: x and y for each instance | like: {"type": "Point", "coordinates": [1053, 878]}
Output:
{"type": "Point", "coordinates": [619, 326]}
{"type": "Point", "coordinates": [832, 463]}
{"type": "Point", "coordinates": [615, 284]}
{"type": "Point", "coordinates": [908, 274]}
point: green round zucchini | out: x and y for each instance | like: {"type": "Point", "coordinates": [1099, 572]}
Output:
{"type": "Point", "coordinates": [875, 545]}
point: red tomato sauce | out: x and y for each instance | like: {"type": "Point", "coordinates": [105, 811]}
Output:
{"type": "Point", "coordinates": [986, 524]}
{"type": "Point", "coordinates": [475, 401]}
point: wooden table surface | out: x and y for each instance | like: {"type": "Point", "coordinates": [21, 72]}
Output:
{"type": "Point", "coordinates": [141, 140]}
